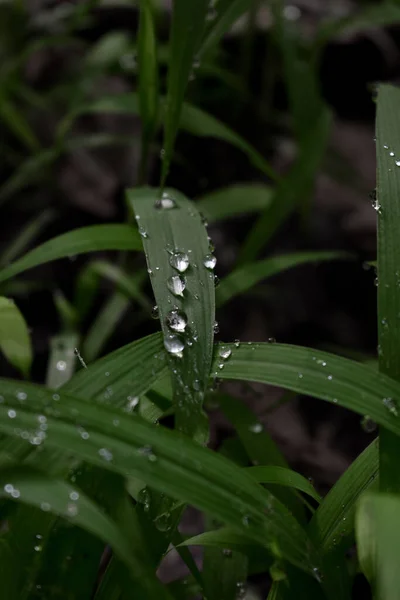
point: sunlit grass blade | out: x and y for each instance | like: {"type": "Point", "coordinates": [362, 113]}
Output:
{"type": "Point", "coordinates": [78, 241]}
{"type": "Point", "coordinates": [176, 246]}
{"type": "Point", "coordinates": [388, 209]}
{"type": "Point", "coordinates": [378, 542]}
{"type": "Point", "coordinates": [187, 27]}
{"type": "Point", "coordinates": [26, 236]}
{"type": "Point", "coordinates": [244, 278]}
{"type": "Point", "coordinates": [163, 459]}
{"type": "Point", "coordinates": [319, 374]}
{"type": "Point", "coordinates": [148, 80]}
{"type": "Point", "coordinates": [235, 200]}
{"type": "Point", "coordinates": [15, 341]}
{"type": "Point", "coordinates": [52, 495]}
{"type": "Point", "coordinates": [61, 364]}
{"type": "Point", "coordinates": [286, 477]}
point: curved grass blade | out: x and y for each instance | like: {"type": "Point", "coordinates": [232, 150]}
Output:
{"type": "Point", "coordinates": [388, 209]}
{"type": "Point", "coordinates": [176, 245]}
{"type": "Point", "coordinates": [128, 285]}
{"type": "Point", "coordinates": [26, 236]}
{"type": "Point", "coordinates": [15, 342]}
{"type": "Point", "coordinates": [56, 496]}
{"type": "Point", "coordinates": [226, 13]}
{"type": "Point", "coordinates": [78, 241]}
{"type": "Point", "coordinates": [163, 459]}
{"type": "Point", "coordinates": [244, 278]}
{"type": "Point", "coordinates": [234, 200]}
{"type": "Point", "coordinates": [319, 374]}
{"type": "Point", "coordinates": [286, 477]}
{"type": "Point", "coordinates": [16, 122]}
{"type": "Point", "coordinates": [188, 22]}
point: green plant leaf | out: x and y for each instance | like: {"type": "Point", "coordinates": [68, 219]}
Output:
{"type": "Point", "coordinates": [319, 374]}
{"type": "Point", "coordinates": [378, 529]}
{"type": "Point", "coordinates": [26, 236]}
{"type": "Point", "coordinates": [78, 241]}
{"type": "Point", "coordinates": [234, 200]}
{"type": "Point", "coordinates": [286, 477]}
{"type": "Point", "coordinates": [128, 285]}
{"type": "Point", "coordinates": [61, 364]}
{"type": "Point", "coordinates": [188, 22]}
{"type": "Point", "coordinates": [166, 460]}
{"type": "Point", "coordinates": [225, 13]}
{"type": "Point", "coordinates": [388, 209]}
{"type": "Point", "coordinates": [244, 278]}
{"type": "Point", "coordinates": [15, 342]}
{"type": "Point", "coordinates": [170, 235]}
{"type": "Point", "coordinates": [15, 121]}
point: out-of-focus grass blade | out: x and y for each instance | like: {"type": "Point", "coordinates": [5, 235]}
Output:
{"type": "Point", "coordinates": [187, 27]}
{"type": "Point", "coordinates": [224, 573]}
{"type": "Point", "coordinates": [15, 342]}
{"type": "Point", "coordinates": [224, 14]}
{"type": "Point", "coordinates": [128, 285]}
{"type": "Point", "coordinates": [292, 189]}
{"type": "Point", "coordinates": [148, 79]}
{"type": "Point", "coordinates": [78, 241]}
{"type": "Point", "coordinates": [184, 589]}
{"type": "Point", "coordinates": [56, 496]}
{"type": "Point", "coordinates": [32, 170]}
{"type": "Point", "coordinates": [244, 278]}
{"type": "Point", "coordinates": [86, 288]}
{"type": "Point", "coordinates": [61, 364]}
{"type": "Point", "coordinates": [319, 374]}
{"type": "Point", "coordinates": [176, 246]}
{"type": "Point", "coordinates": [163, 459]}
{"type": "Point", "coordinates": [388, 209]}
{"type": "Point", "coordinates": [260, 447]}
{"type": "Point", "coordinates": [286, 477]}
{"type": "Point", "coordinates": [378, 542]}
{"type": "Point", "coordinates": [26, 236]}
{"type": "Point", "coordinates": [107, 51]}
{"type": "Point", "coordinates": [16, 123]}
{"type": "Point", "coordinates": [102, 328]}
{"type": "Point", "coordinates": [234, 200]}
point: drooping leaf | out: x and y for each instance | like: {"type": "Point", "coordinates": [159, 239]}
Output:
{"type": "Point", "coordinates": [286, 477]}
{"type": "Point", "coordinates": [15, 342]}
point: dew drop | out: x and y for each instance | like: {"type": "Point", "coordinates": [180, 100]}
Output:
{"type": "Point", "coordinates": [22, 396]}
{"type": "Point", "coordinates": [163, 522]}
{"type": "Point", "coordinates": [368, 425]}
{"type": "Point", "coordinates": [211, 13]}
{"type": "Point", "coordinates": [133, 401]}
{"type": "Point", "coordinates": [237, 343]}
{"type": "Point", "coordinates": [210, 262]}
{"type": "Point", "coordinates": [12, 414]}
{"type": "Point", "coordinates": [155, 312]}
{"type": "Point", "coordinates": [176, 285]}
{"type": "Point", "coordinates": [225, 353]}
{"type": "Point", "coordinates": [245, 520]}
{"type": "Point", "coordinates": [166, 202]}
{"type": "Point", "coordinates": [216, 327]}
{"type": "Point", "coordinates": [8, 488]}
{"type": "Point", "coordinates": [256, 428]}
{"type": "Point", "coordinates": [271, 340]}
{"type": "Point", "coordinates": [143, 232]}
{"type": "Point", "coordinates": [45, 506]}
{"type": "Point", "coordinates": [217, 281]}
{"type": "Point", "coordinates": [179, 261]}
{"type": "Point", "coordinates": [391, 153]}
{"type": "Point", "coordinates": [144, 498]}
{"type": "Point", "coordinates": [390, 405]}
{"type": "Point", "coordinates": [72, 510]}
{"type": "Point", "coordinates": [61, 365]}
{"type": "Point", "coordinates": [174, 345]}
{"type": "Point", "coordinates": [227, 552]}
{"type": "Point", "coordinates": [397, 163]}
{"type": "Point", "coordinates": [177, 321]}
{"type": "Point", "coordinates": [74, 496]}
{"type": "Point", "coordinates": [106, 454]}
{"type": "Point", "coordinates": [147, 451]}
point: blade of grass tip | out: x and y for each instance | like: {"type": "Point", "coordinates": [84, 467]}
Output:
{"type": "Point", "coordinates": [187, 27]}
{"type": "Point", "coordinates": [15, 341]}
{"type": "Point", "coordinates": [26, 236]}
{"type": "Point", "coordinates": [286, 477]}
{"type": "Point", "coordinates": [72, 243]}
{"type": "Point", "coordinates": [388, 209]}
{"type": "Point", "coordinates": [61, 364]}
{"type": "Point", "coordinates": [235, 200]}
{"type": "Point", "coordinates": [181, 272]}
{"type": "Point", "coordinates": [148, 82]}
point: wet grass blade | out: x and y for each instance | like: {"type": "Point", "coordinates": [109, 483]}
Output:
{"type": "Point", "coordinates": [15, 342]}
{"type": "Point", "coordinates": [176, 246]}
{"type": "Point", "coordinates": [78, 241]}
{"type": "Point", "coordinates": [187, 27]}
{"type": "Point", "coordinates": [244, 278]}
{"type": "Point", "coordinates": [319, 374]}
{"type": "Point", "coordinates": [388, 209]}
{"type": "Point", "coordinates": [164, 460]}
{"type": "Point", "coordinates": [235, 200]}
{"type": "Point", "coordinates": [286, 477]}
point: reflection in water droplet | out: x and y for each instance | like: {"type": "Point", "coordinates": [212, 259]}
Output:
{"type": "Point", "coordinates": [225, 353]}
{"type": "Point", "coordinates": [174, 345]}
{"type": "Point", "coordinates": [177, 321]}
{"type": "Point", "coordinates": [166, 202]}
{"type": "Point", "coordinates": [179, 261]}
{"type": "Point", "coordinates": [176, 285]}
{"type": "Point", "coordinates": [210, 262]}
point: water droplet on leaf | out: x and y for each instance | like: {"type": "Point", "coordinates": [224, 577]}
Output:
{"type": "Point", "coordinates": [174, 345]}
{"type": "Point", "coordinates": [210, 262]}
{"type": "Point", "coordinates": [177, 321]}
{"type": "Point", "coordinates": [176, 285]}
{"type": "Point", "coordinates": [179, 261]}
{"type": "Point", "coordinates": [225, 353]}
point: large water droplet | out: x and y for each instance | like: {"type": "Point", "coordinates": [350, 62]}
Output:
{"type": "Point", "coordinates": [177, 321]}
{"type": "Point", "coordinates": [209, 262]}
{"type": "Point", "coordinates": [179, 261]}
{"type": "Point", "coordinates": [174, 345]}
{"type": "Point", "coordinates": [390, 405]}
{"type": "Point", "coordinates": [176, 285]}
{"type": "Point", "coordinates": [225, 353]}
{"type": "Point", "coordinates": [166, 202]}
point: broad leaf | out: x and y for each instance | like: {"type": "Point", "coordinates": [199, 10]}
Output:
{"type": "Point", "coordinates": [15, 342]}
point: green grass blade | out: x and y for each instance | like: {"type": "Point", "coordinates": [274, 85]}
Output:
{"type": "Point", "coordinates": [333, 521]}
{"type": "Point", "coordinates": [15, 342]}
{"type": "Point", "coordinates": [388, 208]}
{"type": "Point", "coordinates": [26, 236]}
{"type": "Point", "coordinates": [188, 22]}
{"type": "Point", "coordinates": [60, 498]}
{"type": "Point", "coordinates": [128, 285]}
{"type": "Point", "coordinates": [378, 535]}
{"type": "Point", "coordinates": [170, 234]}
{"type": "Point", "coordinates": [234, 200]}
{"type": "Point", "coordinates": [61, 365]}
{"type": "Point", "coordinates": [286, 477]}
{"type": "Point", "coordinates": [148, 80]}
{"type": "Point", "coordinates": [14, 120]}
{"type": "Point", "coordinates": [225, 13]}
{"type": "Point", "coordinates": [319, 374]}
{"type": "Point", "coordinates": [244, 278]}
{"type": "Point", "coordinates": [163, 459]}
{"type": "Point", "coordinates": [224, 573]}
{"type": "Point", "coordinates": [78, 241]}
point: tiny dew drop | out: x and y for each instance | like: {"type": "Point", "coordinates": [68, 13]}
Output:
{"type": "Point", "coordinates": [216, 327]}
{"type": "Point", "coordinates": [210, 262]}
{"type": "Point", "coordinates": [61, 365]}
{"type": "Point", "coordinates": [176, 285]}
{"type": "Point", "coordinates": [256, 428]}
{"type": "Point", "coordinates": [143, 232]}
{"type": "Point", "coordinates": [225, 353]}
{"type": "Point", "coordinates": [12, 414]}
{"type": "Point", "coordinates": [174, 345]}
{"type": "Point", "coordinates": [227, 552]}
{"type": "Point", "coordinates": [368, 425]}
{"type": "Point", "coordinates": [177, 321]}
{"type": "Point", "coordinates": [179, 261]}
{"type": "Point", "coordinates": [317, 574]}
{"type": "Point", "coordinates": [390, 405]}
{"type": "Point", "coordinates": [22, 396]}
{"type": "Point", "coordinates": [106, 454]}
{"type": "Point", "coordinates": [166, 202]}
{"type": "Point", "coordinates": [144, 498]}
{"type": "Point", "coordinates": [271, 340]}
{"type": "Point", "coordinates": [163, 522]}
{"type": "Point", "coordinates": [147, 451]}
{"type": "Point", "coordinates": [216, 281]}
{"type": "Point", "coordinates": [237, 343]}
{"type": "Point", "coordinates": [155, 314]}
